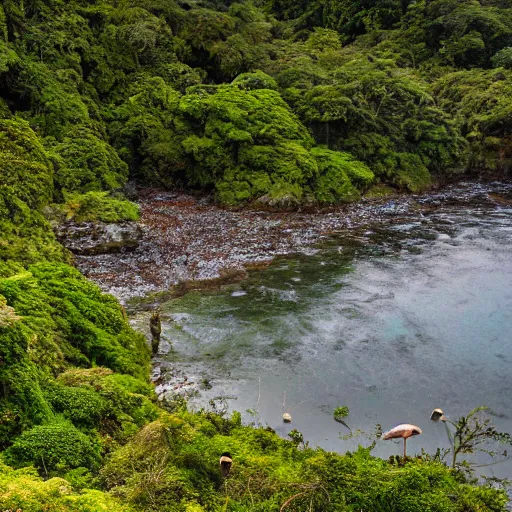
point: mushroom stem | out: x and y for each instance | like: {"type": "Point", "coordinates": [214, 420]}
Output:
{"type": "Point", "coordinates": [405, 445]}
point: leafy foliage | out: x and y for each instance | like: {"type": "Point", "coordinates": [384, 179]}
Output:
{"type": "Point", "coordinates": [174, 460]}
{"type": "Point", "coordinates": [26, 169]}
{"type": "Point", "coordinates": [475, 433]}
{"type": "Point", "coordinates": [192, 95]}
{"type": "Point", "coordinates": [26, 186]}
{"type": "Point", "coordinates": [85, 163]}
{"type": "Point", "coordinates": [341, 412]}
{"type": "Point", "coordinates": [480, 103]}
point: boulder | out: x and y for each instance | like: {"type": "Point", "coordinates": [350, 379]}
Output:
{"type": "Point", "coordinates": [89, 238]}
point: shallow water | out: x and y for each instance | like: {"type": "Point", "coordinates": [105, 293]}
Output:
{"type": "Point", "coordinates": [392, 321]}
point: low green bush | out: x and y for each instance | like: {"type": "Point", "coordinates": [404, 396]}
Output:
{"type": "Point", "coordinates": [174, 461]}
{"type": "Point", "coordinates": [128, 402]}
{"type": "Point", "coordinates": [58, 303]}
{"type": "Point", "coordinates": [53, 449]}
{"type": "Point", "coordinates": [87, 163]}
{"type": "Point", "coordinates": [82, 406]}
{"type": "Point", "coordinates": [341, 177]}
{"type": "Point", "coordinates": [64, 320]}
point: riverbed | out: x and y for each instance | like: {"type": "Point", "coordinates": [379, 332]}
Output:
{"type": "Point", "coordinates": [391, 317]}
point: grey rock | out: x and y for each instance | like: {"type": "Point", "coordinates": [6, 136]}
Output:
{"type": "Point", "coordinates": [90, 238]}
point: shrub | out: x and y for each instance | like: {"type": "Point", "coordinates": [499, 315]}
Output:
{"type": "Point", "coordinates": [26, 236]}
{"type": "Point", "coordinates": [84, 407]}
{"type": "Point", "coordinates": [65, 320]}
{"type": "Point", "coordinates": [26, 170]}
{"type": "Point", "coordinates": [255, 80]}
{"type": "Point", "coordinates": [129, 401]}
{"type": "Point", "coordinates": [90, 325]}
{"type": "Point", "coordinates": [341, 412]}
{"type": "Point", "coordinates": [53, 449]}
{"type": "Point", "coordinates": [341, 177]}
{"type": "Point", "coordinates": [26, 185]}
{"type": "Point", "coordinates": [503, 58]}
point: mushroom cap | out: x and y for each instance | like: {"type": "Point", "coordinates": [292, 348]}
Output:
{"type": "Point", "coordinates": [437, 414]}
{"type": "Point", "coordinates": [225, 464]}
{"type": "Point", "coordinates": [403, 431]}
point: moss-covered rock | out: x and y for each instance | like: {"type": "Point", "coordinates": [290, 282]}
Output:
{"type": "Point", "coordinates": [96, 206]}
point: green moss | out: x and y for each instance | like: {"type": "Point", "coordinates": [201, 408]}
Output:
{"type": "Point", "coordinates": [255, 80]}
{"type": "Point", "coordinates": [341, 177]}
{"type": "Point", "coordinates": [25, 235]}
{"type": "Point", "coordinates": [82, 406]}
{"type": "Point", "coordinates": [22, 489]}
{"type": "Point", "coordinates": [27, 173]}
{"type": "Point", "coordinates": [96, 206]}
{"type": "Point", "coordinates": [129, 402]}
{"type": "Point", "coordinates": [251, 144]}
{"type": "Point", "coordinates": [65, 320]}
{"type": "Point", "coordinates": [26, 186]}
{"type": "Point", "coordinates": [92, 323]}
{"type": "Point", "coordinates": [175, 460]}
{"type": "Point", "coordinates": [86, 163]}
{"type": "Point", "coordinates": [379, 190]}
{"type": "Point", "coordinates": [319, 106]}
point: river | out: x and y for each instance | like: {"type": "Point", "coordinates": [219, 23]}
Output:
{"type": "Point", "coordinates": [391, 319]}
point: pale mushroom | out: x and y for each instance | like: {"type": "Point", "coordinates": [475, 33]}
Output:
{"type": "Point", "coordinates": [438, 415]}
{"type": "Point", "coordinates": [404, 431]}
{"type": "Point", "coordinates": [225, 464]}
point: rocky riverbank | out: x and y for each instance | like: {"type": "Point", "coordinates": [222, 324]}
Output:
{"type": "Point", "coordinates": [184, 238]}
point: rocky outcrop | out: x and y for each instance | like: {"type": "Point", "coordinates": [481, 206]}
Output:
{"type": "Point", "coordinates": [90, 238]}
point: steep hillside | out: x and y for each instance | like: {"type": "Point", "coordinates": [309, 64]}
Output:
{"type": "Point", "coordinates": [281, 103]}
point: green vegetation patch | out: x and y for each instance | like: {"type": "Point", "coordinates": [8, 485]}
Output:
{"type": "Point", "coordinates": [64, 321]}
{"type": "Point", "coordinates": [281, 102]}
{"type": "Point", "coordinates": [95, 206]}
{"type": "Point", "coordinates": [23, 489]}
{"type": "Point", "coordinates": [56, 446]}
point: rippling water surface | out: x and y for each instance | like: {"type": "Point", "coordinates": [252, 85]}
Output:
{"type": "Point", "coordinates": [391, 321]}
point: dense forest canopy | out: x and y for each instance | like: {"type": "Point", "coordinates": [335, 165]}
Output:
{"type": "Point", "coordinates": [233, 97]}
{"type": "Point", "coordinates": [279, 102]}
